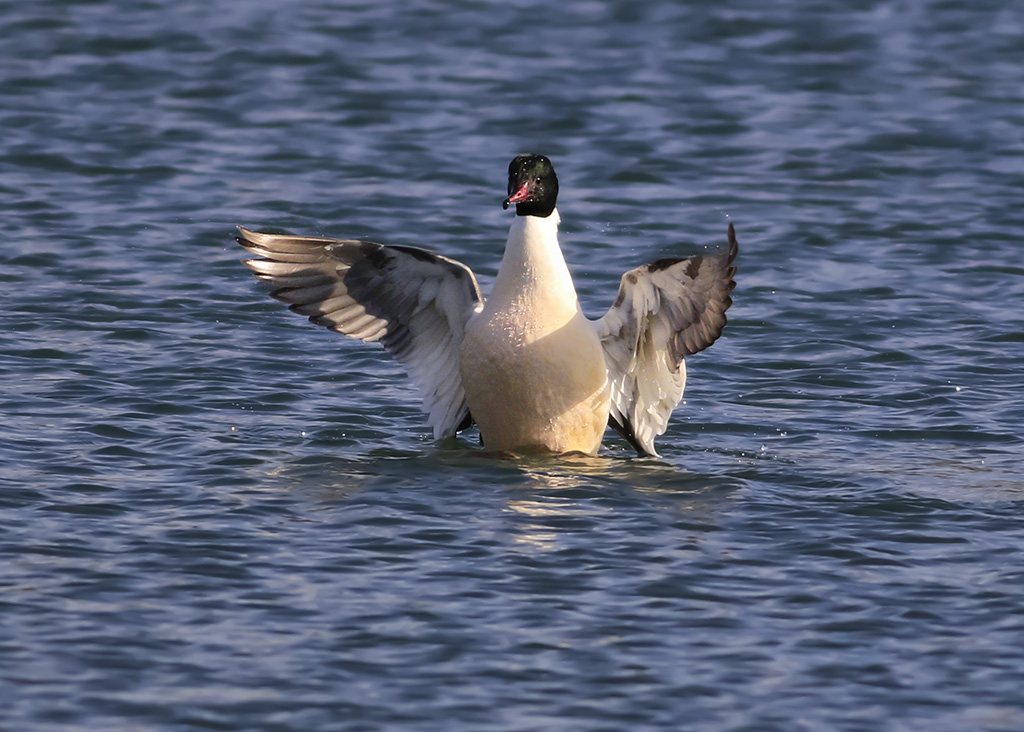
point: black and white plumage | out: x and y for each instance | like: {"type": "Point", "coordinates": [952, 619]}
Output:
{"type": "Point", "coordinates": [664, 311]}
{"type": "Point", "coordinates": [525, 365]}
{"type": "Point", "coordinates": [415, 303]}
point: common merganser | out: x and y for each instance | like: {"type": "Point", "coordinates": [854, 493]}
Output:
{"type": "Point", "coordinates": [526, 365]}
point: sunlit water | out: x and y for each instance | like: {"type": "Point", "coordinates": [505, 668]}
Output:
{"type": "Point", "coordinates": [215, 516]}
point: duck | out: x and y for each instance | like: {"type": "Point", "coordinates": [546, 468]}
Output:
{"type": "Point", "coordinates": [525, 365]}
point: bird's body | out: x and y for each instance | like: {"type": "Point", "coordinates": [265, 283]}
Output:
{"type": "Point", "coordinates": [532, 349]}
{"type": "Point", "coordinates": [526, 366]}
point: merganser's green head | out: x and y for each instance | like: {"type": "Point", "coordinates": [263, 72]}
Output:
{"type": "Point", "coordinates": [532, 185]}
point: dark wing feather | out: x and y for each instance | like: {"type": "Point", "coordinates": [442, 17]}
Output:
{"type": "Point", "coordinates": [664, 311]}
{"type": "Point", "coordinates": [415, 303]}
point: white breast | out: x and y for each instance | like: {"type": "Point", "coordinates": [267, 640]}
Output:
{"type": "Point", "coordinates": [532, 365]}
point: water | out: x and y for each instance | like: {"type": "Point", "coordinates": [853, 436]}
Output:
{"type": "Point", "coordinates": [216, 516]}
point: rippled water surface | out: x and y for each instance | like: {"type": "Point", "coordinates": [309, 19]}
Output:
{"type": "Point", "coordinates": [216, 516]}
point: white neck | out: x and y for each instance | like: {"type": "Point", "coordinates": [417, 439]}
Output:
{"type": "Point", "coordinates": [533, 269]}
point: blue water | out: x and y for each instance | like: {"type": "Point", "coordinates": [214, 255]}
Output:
{"type": "Point", "coordinates": [215, 516]}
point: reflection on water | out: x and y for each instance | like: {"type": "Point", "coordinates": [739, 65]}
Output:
{"type": "Point", "coordinates": [538, 532]}
{"type": "Point", "coordinates": [573, 493]}
{"type": "Point", "coordinates": [549, 497]}
{"type": "Point", "coordinates": [546, 500]}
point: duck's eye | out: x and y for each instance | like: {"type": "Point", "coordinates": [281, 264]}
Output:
{"type": "Point", "coordinates": [537, 179]}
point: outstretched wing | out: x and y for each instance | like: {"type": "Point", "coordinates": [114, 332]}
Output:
{"type": "Point", "coordinates": [416, 303]}
{"type": "Point", "coordinates": [664, 311]}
